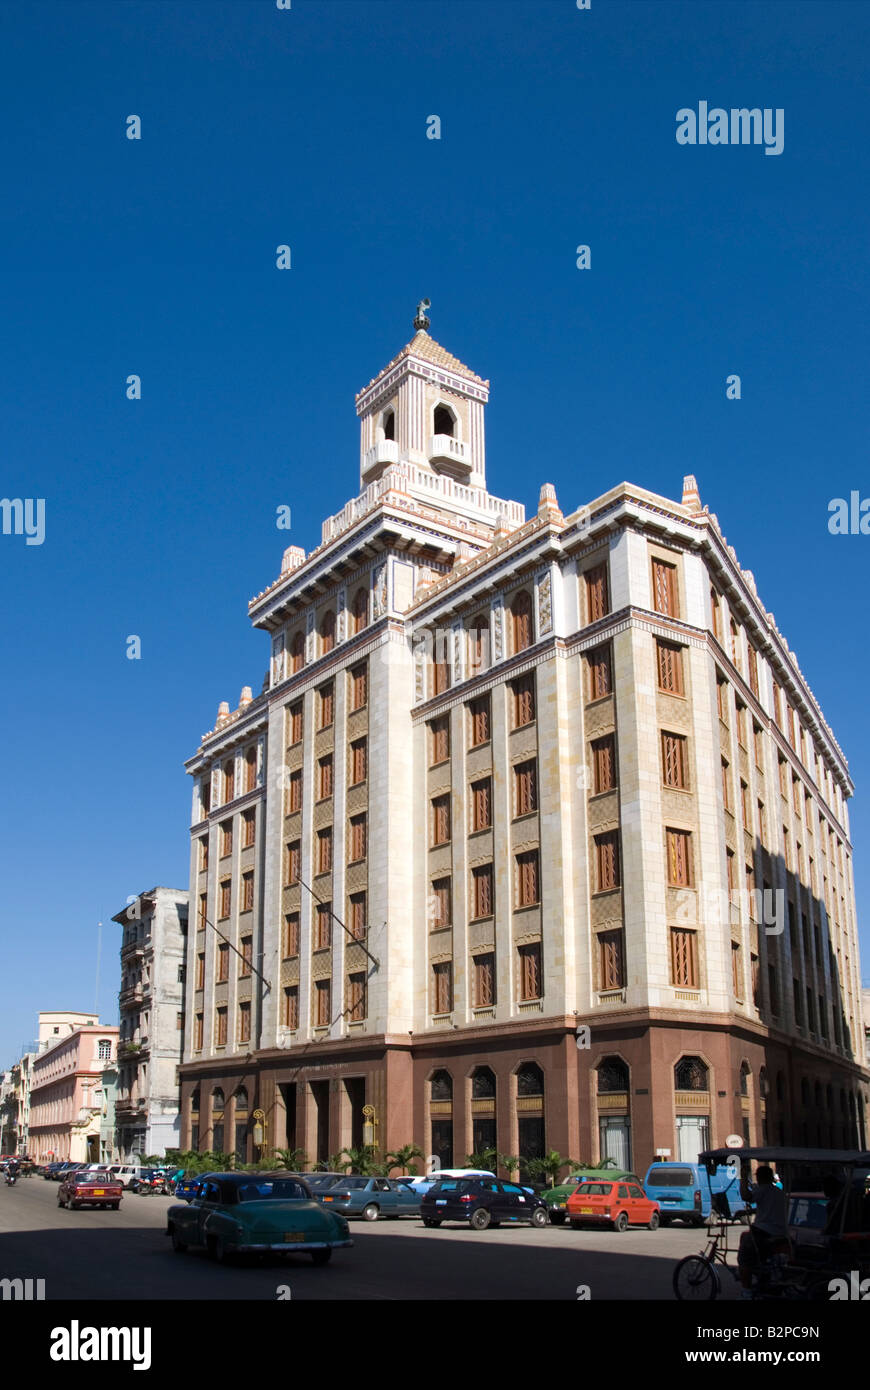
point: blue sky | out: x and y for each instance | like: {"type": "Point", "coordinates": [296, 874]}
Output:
{"type": "Point", "coordinates": [308, 127]}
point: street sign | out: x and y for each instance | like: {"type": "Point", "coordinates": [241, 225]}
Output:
{"type": "Point", "coordinates": [734, 1141]}
{"type": "Point", "coordinates": [663, 1153]}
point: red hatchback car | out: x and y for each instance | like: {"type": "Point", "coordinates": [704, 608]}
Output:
{"type": "Point", "coordinates": [85, 1189]}
{"type": "Point", "coordinates": [617, 1204]}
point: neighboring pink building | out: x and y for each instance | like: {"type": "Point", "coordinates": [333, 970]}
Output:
{"type": "Point", "coordinates": [66, 1095]}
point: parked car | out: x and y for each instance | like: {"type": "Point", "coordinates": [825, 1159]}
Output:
{"type": "Point", "coordinates": [50, 1169]}
{"type": "Point", "coordinates": [242, 1213]}
{"type": "Point", "coordinates": [370, 1198]}
{"type": "Point", "coordinates": [89, 1190]}
{"type": "Point", "coordinates": [423, 1184]}
{"type": "Point", "coordinates": [185, 1188]}
{"type": "Point", "coordinates": [126, 1172]}
{"type": "Point", "coordinates": [685, 1191]}
{"type": "Point", "coordinates": [557, 1197]}
{"type": "Point", "coordinates": [617, 1204]}
{"type": "Point", "coordinates": [65, 1169]}
{"type": "Point", "coordinates": [481, 1202]}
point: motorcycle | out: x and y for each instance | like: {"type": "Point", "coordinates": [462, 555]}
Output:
{"type": "Point", "coordinates": [11, 1179]}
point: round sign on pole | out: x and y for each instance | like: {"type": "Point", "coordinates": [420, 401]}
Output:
{"type": "Point", "coordinates": [734, 1141]}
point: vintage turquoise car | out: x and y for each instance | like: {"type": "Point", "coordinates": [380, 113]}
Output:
{"type": "Point", "coordinates": [256, 1213]}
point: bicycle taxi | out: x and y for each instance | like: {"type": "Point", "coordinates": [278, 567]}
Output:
{"type": "Point", "coordinates": [828, 1201]}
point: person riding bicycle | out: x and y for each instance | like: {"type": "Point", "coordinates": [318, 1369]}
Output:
{"type": "Point", "coordinates": [768, 1231]}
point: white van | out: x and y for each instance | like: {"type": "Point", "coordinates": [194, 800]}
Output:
{"type": "Point", "coordinates": [125, 1172]}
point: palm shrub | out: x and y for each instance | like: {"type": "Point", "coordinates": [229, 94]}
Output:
{"type": "Point", "coordinates": [402, 1157]}
{"type": "Point", "coordinates": [548, 1168]}
{"type": "Point", "coordinates": [296, 1160]}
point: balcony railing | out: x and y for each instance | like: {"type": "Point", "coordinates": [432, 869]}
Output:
{"type": "Point", "coordinates": [444, 449]}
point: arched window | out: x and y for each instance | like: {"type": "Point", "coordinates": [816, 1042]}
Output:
{"type": "Point", "coordinates": [780, 1086]}
{"type": "Point", "coordinates": [443, 421]}
{"type": "Point", "coordinates": [744, 1078]}
{"type": "Point", "coordinates": [691, 1074]}
{"type": "Point", "coordinates": [389, 424]}
{"type": "Point", "coordinates": [483, 1084]}
{"type": "Point", "coordinates": [805, 1092]}
{"type": "Point", "coordinates": [612, 1076]}
{"type": "Point", "coordinates": [360, 615]}
{"type": "Point", "coordinates": [521, 620]}
{"type": "Point", "coordinates": [441, 1086]}
{"type": "Point", "coordinates": [530, 1080]}
{"type": "Point", "coordinates": [829, 1097]}
{"type": "Point", "coordinates": [241, 1101]}
{"type": "Point", "coordinates": [763, 1083]}
{"type": "Point", "coordinates": [194, 1102]}
{"type": "Point", "coordinates": [327, 632]}
{"type": "Point", "coordinates": [297, 652]}
{"type": "Point", "coordinates": [217, 1101]}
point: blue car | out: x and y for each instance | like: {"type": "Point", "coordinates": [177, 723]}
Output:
{"type": "Point", "coordinates": [685, 1191]}
{"type": "Point", "coordinates": [370, 1198]}
{"type": "Point", "coordinates": [185, 1189]}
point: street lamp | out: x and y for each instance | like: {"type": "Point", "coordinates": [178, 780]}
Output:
{"type": "Point", "coordinates": [259, 1130]}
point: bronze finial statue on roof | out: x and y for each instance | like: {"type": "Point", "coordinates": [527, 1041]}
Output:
{"type": "Point", "coordinates": [422, 319]}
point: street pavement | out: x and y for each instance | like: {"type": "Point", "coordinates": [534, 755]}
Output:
{"type": "Point", "coordinates": [124, 1254]}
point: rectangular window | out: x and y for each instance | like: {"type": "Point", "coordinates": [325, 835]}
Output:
{"type": "Point", "coordinates": [200, 970]}
{"type": "Point", "coordinates": [294, 862]}
{"type": "Point", "coordinates": [322, 1004]}
{"type": "Point", "coordinates": [251, 768]}
{"type": "Point", "coordinates": [484, 980]}
{"type": "Point", "coordinates": [744, 805]}
{"type": "Point", "coordinates": [479, 712]}
{"type": "Point", "coordinates": [665, 588]}
{"type": "Point", "coordinates": [291, 935]}
{"type": "Point", "coordinates": [481, 891]}
{"type": "Point", "coordinates": [229, 779]}
{"type": "Point", "coordinates": [440, 820]}
{"type": "Point", "coordinates": [223, 962]}
{"type": "Point", "coordinates": [529, 969]}
{"type": "Point", "coordinates": [717, 614]}
{"type": "Point", "coordinates": [773, 990]}
{"type": "Point", "coordinates": [203, 911]}
{"type": "Point", "coordinates": [675, 760]}
{"type": "Point", "coordinates": [741, 725]}
{"type": "Point", "coordinates": [439, 741]}
{"type": "Point", "coordinates": [359, 687]}
{"type": "Point", "coordinates": [358, 838]}
{"type": "Point", "coordinates": [249, 828]}
{"type": "Point", "coordinates": [291, 1006]}
{"type": "Point", "coordinates": [247, 891]}
{"type": "Point", "coordinates": [220, 1031]}
{"type": "Point", "coordinates": [669, 663]}
{"type": "Point", "coordinates": [736, 645]}
{"type": "Point", "coordinates": [324, 777]}
{"type": "Point", "coordinates": [357, 915]}
{"type": "Point", "coordinates": [358, 761]}
{"type": "Point", "coordinates": [597, 600]}
{"type": "Point", "coordinates": [796, 794]}
{"type": "Point", "coordinates": [679, 854]}
{"type": "Point", "coordinates": [356, 997]}
{"type": "Point", "coordinates": [611, 962]}
{"type": "Point", "coordinates": [244, 1022]}
{"type": "Point", "coordinates": [296, 722]}
{"type": "Point", "coordinates": [753, 669]}
{"type": "Point", "coordinates": [758, 743]}
{"type": "Point", "coordinates": [481, 804]}
{"type": "Point", "coordinates": [604, 764]}
{"type": "Point", "coordinates": [762, 826]}
{"type": "Point", "coordinates": [600, 674]}
{"type": "Point", "coordinates": [203, 854]}
{"type": "Point", "coordinates": [225, 898]}
{"type": "Point", "coordinates": [441, 903]}
{"type": "Point", "coordinates": [226, 837]}
{"type": "Point", "coordinates": [684, 959]}
{"type": "Point", "coordinates": [245, 964]}
{"type": "Point", "coordinates": [736, 970]}
{"type": "Point", "coordinates": [798, 1003]}
{"type": "Point", "coordinates": [722, 698]}
{"type": "Point", "coordinates": [442, 987]}
{"type": "Point", "coordinates": [607, 861]}
{"type": "Point", "coordinates": [525, 788]}
{"type": "Point", "coordinates": [323, 926]}
{"type": "Point", "coordinates": [755, 979]}
{"type": "Point", "coordinates": [523, 691]}
{"type": "Point", "coordinates": [197, 1033]}
{"type": "Point", "coordinates": [324, 850]}
{"type": "Point", "coordinates": [528, 879]}
{"type": "Point", "coordinates": [325, 705]}
{"type": "Point", "coordinates": [730, 869]}
{"type": "Point", "coordinates": [726, 785]}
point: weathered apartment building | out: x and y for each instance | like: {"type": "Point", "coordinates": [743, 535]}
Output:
{"type": "Point", "coordinates": [507, 781]}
